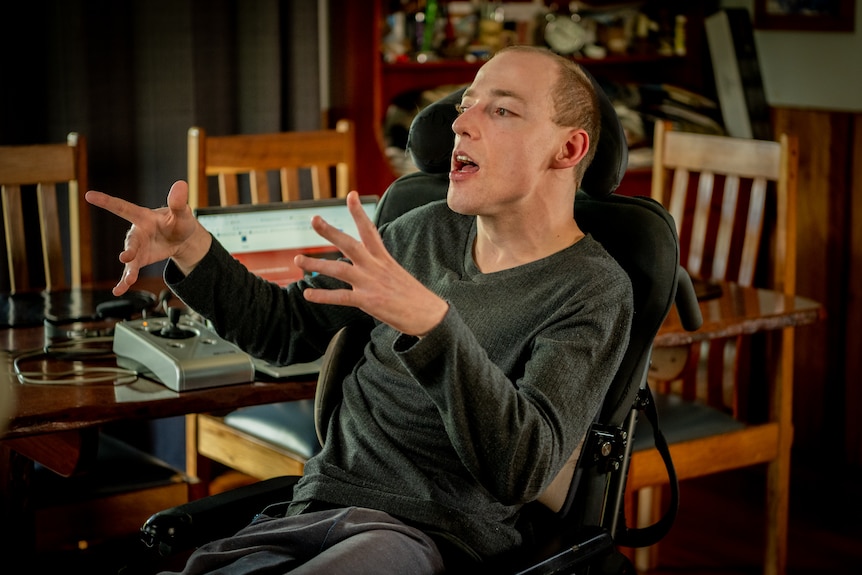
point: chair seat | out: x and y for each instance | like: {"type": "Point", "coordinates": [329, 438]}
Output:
{"type": "Point", "coordinates": [682, 420]}
{"type": "Point", "coordinates": [289, 425]}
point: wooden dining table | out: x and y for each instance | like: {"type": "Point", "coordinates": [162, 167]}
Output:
{"type": "Point", "coordinates": [49, 423]}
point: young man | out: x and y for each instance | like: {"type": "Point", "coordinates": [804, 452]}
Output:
{"type": "Point", "coordinates": [498, 328]}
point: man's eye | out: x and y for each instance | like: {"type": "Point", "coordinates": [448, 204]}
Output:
{"type": "Point", "coordinates": [502, 112]}
{"type": "Point", "coordinates": [460, 108]}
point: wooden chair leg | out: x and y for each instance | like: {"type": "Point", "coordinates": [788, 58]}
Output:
{"type": "Point", "coordinates": [198, 468]}
{"type": "Point", "coordinates": [777, 512]}
{"type": "Point", "coordinates": [648, 512]}
{"type": "Point", "coordinates": [778, 475]}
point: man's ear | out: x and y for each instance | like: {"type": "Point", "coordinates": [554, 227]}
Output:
{"type": "Point", "coordinates": [573, 149]}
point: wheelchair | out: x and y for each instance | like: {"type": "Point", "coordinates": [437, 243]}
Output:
{"type": "Point", "coordinates": [582, 537]}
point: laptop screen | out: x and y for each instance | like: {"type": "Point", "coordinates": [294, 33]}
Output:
{"type": "Point", "coordinates": [266, 237]}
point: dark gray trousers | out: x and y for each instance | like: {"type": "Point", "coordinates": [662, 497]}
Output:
{"type": "Point", "coordinates": [333, 542]}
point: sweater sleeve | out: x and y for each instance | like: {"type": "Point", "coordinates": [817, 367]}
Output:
{"type": "Point", "coordinates": [514, 436]}
{"type": "Point", "coordinates": [261, 317]}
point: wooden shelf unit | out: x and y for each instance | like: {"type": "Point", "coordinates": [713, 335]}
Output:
{"type": "Point", "coordinates": [362, 85]}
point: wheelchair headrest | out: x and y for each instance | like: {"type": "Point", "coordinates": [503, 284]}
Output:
{"type": "Point", "coordinates": [430, 142]}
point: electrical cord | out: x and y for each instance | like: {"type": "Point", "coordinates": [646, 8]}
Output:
{"type": "Point", "coordinates": [75, 350]}
{"type": "Point", "coordinates": [79, 348]}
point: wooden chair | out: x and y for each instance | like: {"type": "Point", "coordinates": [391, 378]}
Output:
{"type": "Point", "coordinates": [44, 168]}
{"type": "Point", "coordinates": [111, 483]}
{"type": "Point", "coordinates": [250, 440]}
{"type": "Point", "coordinates": [733, 200]}
{"type": "Point", "coordinates": [255, 156]}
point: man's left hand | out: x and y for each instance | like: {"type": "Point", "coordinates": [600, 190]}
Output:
{"type": "Point", "coordinates": [380, 286]}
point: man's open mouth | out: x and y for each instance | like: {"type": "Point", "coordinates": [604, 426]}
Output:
{"type": "Point", "coordinates": [464, 163]}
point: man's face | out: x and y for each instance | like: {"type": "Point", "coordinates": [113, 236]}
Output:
{"type": "Point", "coordinates": [505, 139]}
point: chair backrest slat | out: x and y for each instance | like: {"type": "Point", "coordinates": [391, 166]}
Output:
{"type": "Point", "coordinates": [753, 229]}
{"type": "Point", "coordinates": [289, 184]}
{"type": "Point", "coordinates": [228, 191]}
{"type": "Point", "coordinates": [725, 227]}
{"type": "Point", "coordinates": [258, 186]}
{"type": "Point", "coordinates": [52, 240]}
{"type": "Point", "coordinates": [676, 206]}
{"type": "Point", "coordinates": [700, 221]}
{"type": "Point", "coordinates": [321, 183]}
{"type": "Point", "coordinates": [13, 215]}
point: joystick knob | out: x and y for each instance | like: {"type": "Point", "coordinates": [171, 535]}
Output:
{"type": "Point", "coordinates": [172, 330]}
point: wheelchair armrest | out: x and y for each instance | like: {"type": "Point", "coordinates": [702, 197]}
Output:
{"type": "Point", "coordinates": [686, 301]}
{"type": "Point", "coordinates": [209, 518]}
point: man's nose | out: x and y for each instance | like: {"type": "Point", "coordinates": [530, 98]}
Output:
{"type": "Point", "coordinates": [463, 123]}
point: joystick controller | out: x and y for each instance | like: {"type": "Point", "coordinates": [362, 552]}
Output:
{"type": "Point", "coordinates": [180, 352]}
{"type": "Point", "coordinates": [172, 330]}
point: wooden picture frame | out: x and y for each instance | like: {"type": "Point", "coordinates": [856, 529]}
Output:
{"type": "Point", "coordinates": [805, 15]}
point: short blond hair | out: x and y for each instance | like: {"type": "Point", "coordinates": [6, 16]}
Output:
{"type": "Point", "coordinates": [576, 104]}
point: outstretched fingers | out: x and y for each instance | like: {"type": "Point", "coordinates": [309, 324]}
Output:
{"type": "Point", "coordinates": [379, 285]}
{"type": "Point", "coordinates": [368, 233]}
{"type": "Point", "coordinates": [178, 197]}
{"type": "Point", "coordinates": [117, 206]}
{"type": "Point", "coordinates": [155, 234]}
{"type": "Point", "coordinates": [350, 247]}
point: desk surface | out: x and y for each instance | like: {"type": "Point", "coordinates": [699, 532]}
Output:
{"type": "Point", "coordinates": [42, 408]}
{"type": "Point", "coordinates": [738, 311]}
{"type": "Point", "coordinates": [51, 408]}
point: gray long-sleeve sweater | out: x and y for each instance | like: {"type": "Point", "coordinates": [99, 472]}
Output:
{"type": "Point", "coordinates": [458, 430]}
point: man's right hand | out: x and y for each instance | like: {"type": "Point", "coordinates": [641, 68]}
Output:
{"type": "Point", "coordinates": [156, 234]}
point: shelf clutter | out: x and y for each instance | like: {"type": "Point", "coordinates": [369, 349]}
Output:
{"type": "Point", "coordinates": [431, 30]}
{"type": "Point", "coordinates": [430, 47]}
